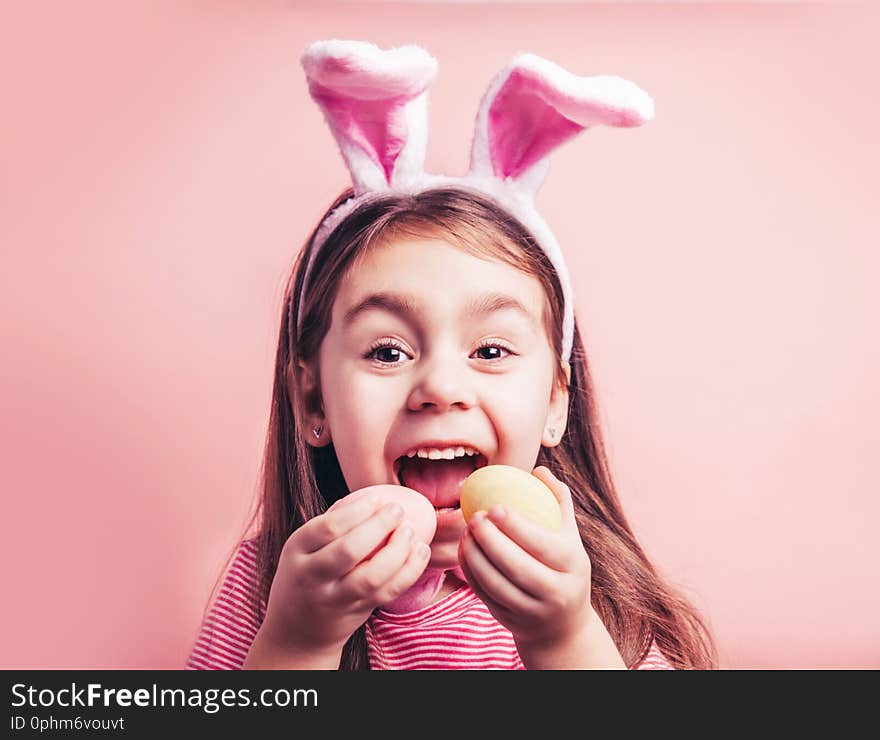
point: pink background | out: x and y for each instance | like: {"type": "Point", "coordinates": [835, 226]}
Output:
{"type": "Point", "coordinates": [160, 168]}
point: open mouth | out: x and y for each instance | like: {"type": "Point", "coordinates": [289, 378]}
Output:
{"type": "Point", "coordinates": [438, 480]}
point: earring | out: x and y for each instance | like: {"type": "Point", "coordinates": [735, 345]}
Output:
{"type": "Point", "coordinates": [318, 431]}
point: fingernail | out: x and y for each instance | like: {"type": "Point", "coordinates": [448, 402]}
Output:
{"type": "Point", "coordinates": [424, 550]}
{"type": "Point", "coordinates": [407, 532]}
{"type": "Point", "coordinates": [498, 512]}
{"type": "Point", "coordinates": [395, 511]}
{"type": "Point", "coordinates": [477, 518]}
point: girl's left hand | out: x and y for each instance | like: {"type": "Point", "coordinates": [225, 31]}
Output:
{"type": "Point", "coordinates": [534, 581]}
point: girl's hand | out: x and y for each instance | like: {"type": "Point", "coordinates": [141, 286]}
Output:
{"type": "Point", "coordinates": [326, 584]}
{"type": "Point", "coordinates": [535, 581]}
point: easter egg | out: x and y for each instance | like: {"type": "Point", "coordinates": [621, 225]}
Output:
{"type": "Point", "coordinates": [513, 488]}
{"type": "Point", "coordinates": [418, 512]}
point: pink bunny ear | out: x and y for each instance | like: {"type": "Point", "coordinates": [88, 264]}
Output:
{"type": "Point", "coordinates": [375, 103]}
{"type": "Point", "coordinates": [533, 106]}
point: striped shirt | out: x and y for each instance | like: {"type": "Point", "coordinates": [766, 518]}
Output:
{"type": "Point", "coordinates": [457, 631]}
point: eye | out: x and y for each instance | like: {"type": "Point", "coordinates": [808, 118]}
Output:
{"type": "Point", "coordinates": [389, 349]}
{"type": "Point", "coordinates": [495, 345]}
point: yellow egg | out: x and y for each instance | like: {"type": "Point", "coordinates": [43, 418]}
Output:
{"type": "Point", "coordinates": [514, 488]}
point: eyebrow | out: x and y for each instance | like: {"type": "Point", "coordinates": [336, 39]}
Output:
{"type": "Point", "coordinates": [407, 306]}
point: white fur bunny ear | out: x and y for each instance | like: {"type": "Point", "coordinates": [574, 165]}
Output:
{"type": "Point", "coordinates": [375, 102]}
{"type": "Point", "coordinates": [533, 106]}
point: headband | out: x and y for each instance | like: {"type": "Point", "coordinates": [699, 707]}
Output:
{"type": "Point", "coordinates": [375, 103]}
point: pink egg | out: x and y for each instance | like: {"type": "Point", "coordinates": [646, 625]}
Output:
{"type": "Point", "coordinates": [418, 512]}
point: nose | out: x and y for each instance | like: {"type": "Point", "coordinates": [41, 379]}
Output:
{"type": "Point", "coordinates": [442, 382]}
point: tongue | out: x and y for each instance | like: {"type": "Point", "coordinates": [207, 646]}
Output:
{"type": "Point", "coordinates": [437, 480]}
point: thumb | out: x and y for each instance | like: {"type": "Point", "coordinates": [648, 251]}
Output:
{"type": "Point", "coordinates": [562, 493]}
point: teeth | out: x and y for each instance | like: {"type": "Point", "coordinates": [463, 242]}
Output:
{"type": "Point", "coordinates": [432, 453]}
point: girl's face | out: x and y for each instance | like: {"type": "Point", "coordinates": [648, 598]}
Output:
{"type": "Point", "coordinates": [429, 344]}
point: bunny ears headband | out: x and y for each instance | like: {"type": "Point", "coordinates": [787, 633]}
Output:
{"type": "Point", "coordinates": [375, 103]}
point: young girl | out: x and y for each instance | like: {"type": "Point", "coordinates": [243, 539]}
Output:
{"type": "Point", "coordinates": [428, 330]}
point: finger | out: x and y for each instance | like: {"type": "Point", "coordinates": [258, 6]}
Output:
{"type": "Point", "coordinates": [370, 576]}
{"type": "Point", "coordinates": [334, 523]}
{"type": "Point", "coordinates": [407, 575]}
{"type": "Point", "coordinates": [339, 557]}
{"type": "Point", "coordinates": [499, 612]}
{"type": "Point", "coordinates": [544, 545]}
{"type": "Point", "coordinates": [562, 493]}
{"type": "Point", "coordinates": [530, 575]}
{"type": "Point", "coordinates": [492, 581]}
{"type": "Point", "coordinates": [471, 579]}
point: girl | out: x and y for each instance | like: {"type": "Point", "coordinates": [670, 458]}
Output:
{"type": "Point", "coordinates": [429, 329]}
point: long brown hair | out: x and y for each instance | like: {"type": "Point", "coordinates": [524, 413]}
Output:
{"type": "Point", "coordinates": [299, 481]}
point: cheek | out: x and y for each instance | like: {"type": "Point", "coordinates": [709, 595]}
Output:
{"type": "Point", "coordinates": [529, 382]}
{"type": "Point", "coordinates": [352, 396]}
{"type": "Point", "coordinates": [532, 391]}
{"type": "Point", "coordinates": [361, 413]}
{"type": "Point", "coordinates": [518, 428]}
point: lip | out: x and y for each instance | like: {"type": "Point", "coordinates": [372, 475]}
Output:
{"type": "Point", "coordinates": [449, 518]}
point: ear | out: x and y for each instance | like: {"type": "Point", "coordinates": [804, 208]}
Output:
{"type": "Point", "coordinates": [303, 385]}
{"type": "Point", "coordinates": [533, 106]}
{"type": "Point", "coordinates": [557, 414]}
{"type": "Point", "coordinates": [375, 103]}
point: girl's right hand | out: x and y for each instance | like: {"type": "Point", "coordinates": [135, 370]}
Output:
{"type": "Point", "coordinates": [327, 585]}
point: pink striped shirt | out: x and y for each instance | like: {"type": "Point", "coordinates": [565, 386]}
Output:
{"type": "Point", "coordinates": [456, 632]}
